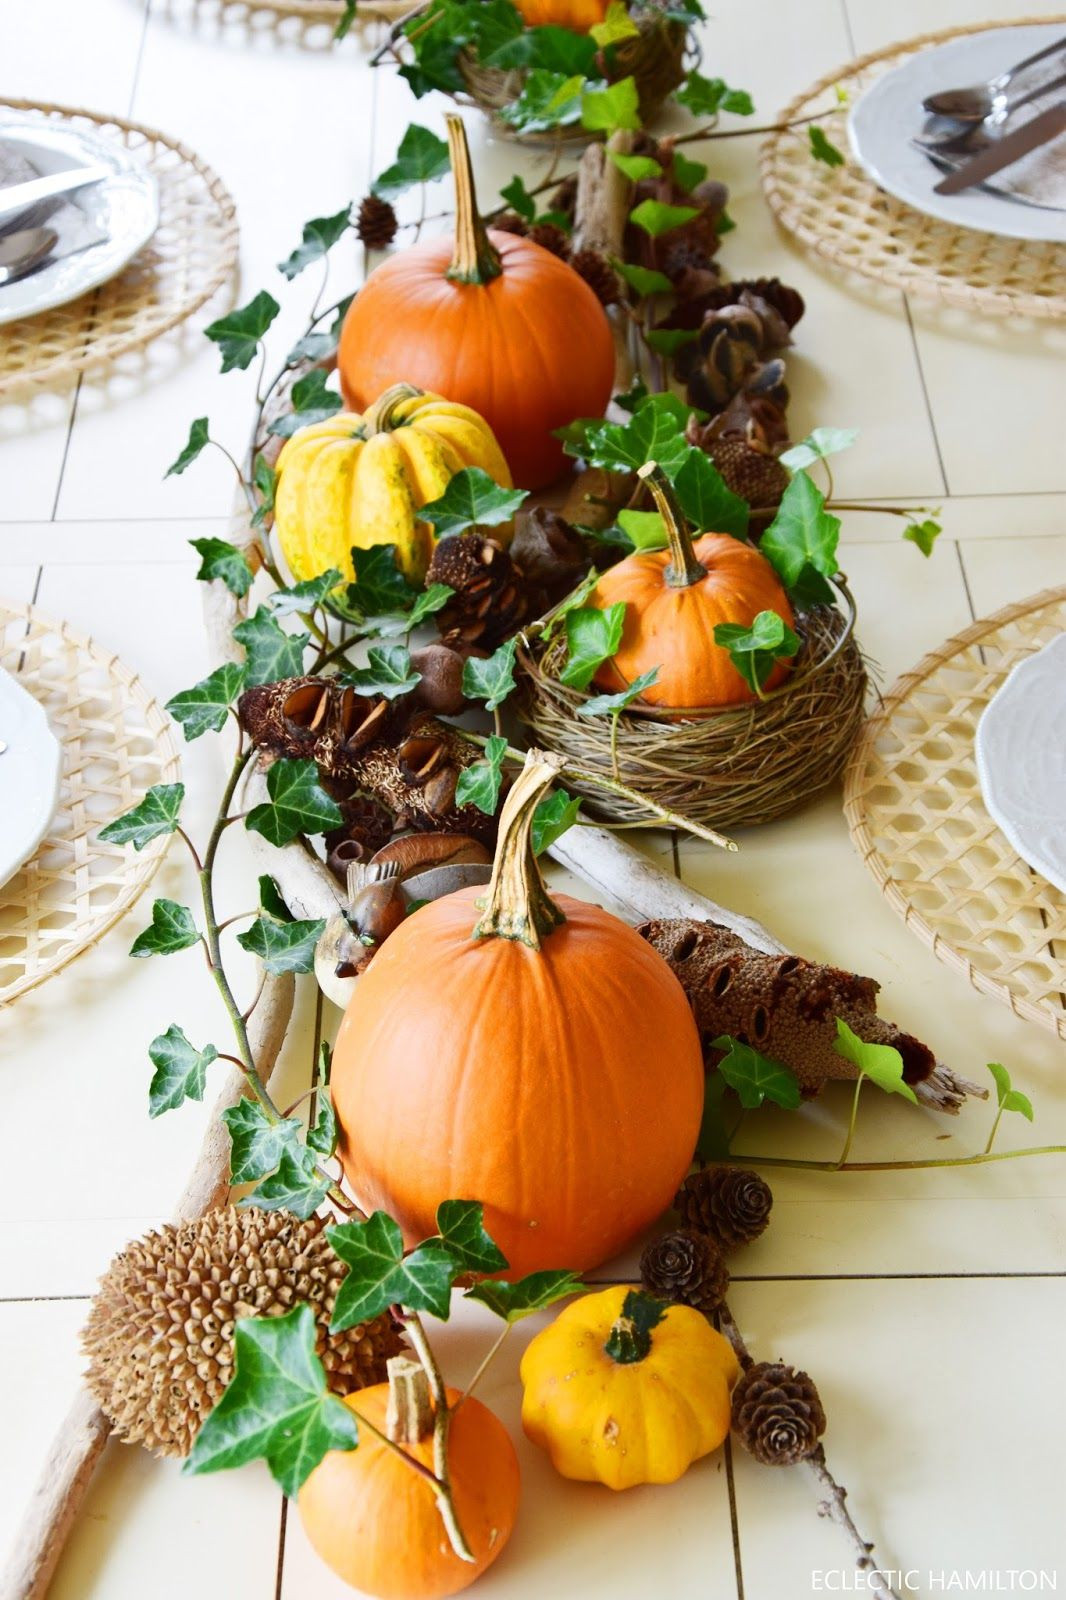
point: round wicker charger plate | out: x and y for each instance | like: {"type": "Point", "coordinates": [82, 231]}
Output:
{"type": "Point", "coordinates": [913, 803]}
{"type": "Point", "coordinates": [842, 215]}
{"type": "Point", "coordinates": [192, 253]}
{"type": "Point", "coordinates": [117, 742]}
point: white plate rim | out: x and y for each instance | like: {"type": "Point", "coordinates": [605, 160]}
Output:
{"type": "Point", "coordinates": [40, 759]}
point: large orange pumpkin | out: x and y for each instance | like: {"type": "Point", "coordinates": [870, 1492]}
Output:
{"type": "Point", "coordinates": [540, 1058]}
{"type": "Point", "coordinates": [580, 15]}
{"type": "Point", "coordinates": [375, 1520]}
{"type": "Point", "coordinates": [674, 599]}
{"type": "Point", "coordinates": [496, 323]}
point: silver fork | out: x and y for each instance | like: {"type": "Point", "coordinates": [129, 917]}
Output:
{"type": "Point", "coordinates": [971, 138]}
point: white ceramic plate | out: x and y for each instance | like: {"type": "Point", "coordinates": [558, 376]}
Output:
{"type": "Point", "coordinates": [889, 115]}
{"type": "Point", "coordinates": [124, 207]}
{"type": "Point", "coordinates": [30, 772]}
{"type": "Point", "coordinates": [1021, 760]}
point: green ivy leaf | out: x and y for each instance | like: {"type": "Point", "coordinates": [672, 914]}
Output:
{"type": "Point", "coordinates": [479, 784]}
{"type": "Point", "coordinates": [287, 946]}
{"type": "Point", "coordinates": [548, 100]}
{"type": "Point", "coordinates": [706, 499]}
{"type": "Point", "coordinates": [519, 198]}
{"type": "Point", "coordinates": [644, 280]}
{"type": "Point", "coordinates": [270, 652]}
{"type": "Point", "coordinates": [656, 217]}
{"type": "Point", "coordinates": [592, 637]}
{"type": "Point", "coordinates": [388, 672]}
{"type": "Point", "coordinates": [635, 167]}
{"type": "Point", "coordinates": [239, 332]}
{"type": "Point", "coordinates": [644, 530]}
{"type": "Point", "coordinates": [172, 929]}
{"type": "Point", "coordinates": [823, 148]}
{"type": "Point", "coordinates": [1007, 1098]}
{"type": "Point", "coordinates": [312, 347]}
{"type": "Point", "coordinates": [319, 237]}
{"type": "Point", "coordinates": [923, 534]}
{"type": "Point", "coordinates": [265, 480]}
{"type": "Point", "coordinates": [305, 596]}
{"type": "Point", "coordinates": [753, 651]}
{"type": "Point", "coordinates": [271, 901]}
{"type": "Point", "coordinates": [491, 680]}
{"type": "Point", "coordinates": [380, 1275]}
{"type": "Point", "coordinates": [713, 1141]}
{"type": "Point", "coordinates": [655, 432]}
{"type": "Point", "coordinates": [199, 436]}
{"type": "Point", "coordinates": [431, 600]}
{"type": "Point", "coordinates": [818, 444]}
{"type": "Point", "coordinates": [563, 51]}
{"type": "Point", "coordinates": [553, 816]}
{"type": "Point", "coordinates": [609, 705]}
{"type": "Point", "coordinates": [277, 1407]}
{"type": "Point", "coordinates": [380, 587]}
{"type": "Point", "coordinates": [802, 534]}
{"type": "Point", "coordinates": [156, 814]}
{"type": "Point", "coordinates": [258, 1144]}
{"type": "Point", "coordinates": [204, 707]}
{"type": "Point", "coordinates": [616, 25]}
{"type": "Point", "coordinates": [346, 20]}
{"type": "Point", "coordinates": [421, 158]}
{"type": "Point", "coordinates": [322, 1135]}
{"type": "Point", "coordinates": [461, 1232]}
{"type": "Point", "coordinates": [513, 1301]}
{"type": "Point", "coordinates": [705, 97]}
{"type": "Point", "coordinates": [616, 106]}
{"type": "Point", "coordinates": [668, 341]}
{"type": "Point", "coordinates": [180, 1070]}
{"type": "Point", "coordinates": [298, 803]}
{"type": "Point", "coordinates": [221, 560]}
{"type": "Point", "coordinates": [688, 174]}
{"type": "Point", "coordinates": [471, 500]}
{"type": "Point", "coordinates": [292, 1187]}
{"type": "Point", "coordinates": [756, 1077]}
{"type": "Point", "coordinates": [879, 1062]}
{"type": "Point", "coordinates": [312, 401]}
{"type": "Point", "coordinates": [634, 397]}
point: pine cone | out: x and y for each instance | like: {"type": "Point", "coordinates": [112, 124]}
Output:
{"type": "Point", "coordinates": [599, 275]}
{"type": "Point", "coordinates": [729, 1204]}
{"type": "Point", "coordinates": [758, 478]}
{"type": "Point", "coordinates": [563, 197]}
{"type": "Point", "coordinates": [686, 1267]}
{"type": "Point", "coordinates": [489, 601]}
{"type": "Point", "coordinates": [552, 238]}
{"type": "Point", "coordinates": [511, 222]}
{"type": "Point", "coordinates": [777, 1414]}
{"type": "Point", "coordinates": [376, 224]}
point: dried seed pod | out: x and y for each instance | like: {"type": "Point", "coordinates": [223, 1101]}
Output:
{"type": "Point", "coordinates": [417, 852]}
{"type": "Point", "coordinates": [489, 600]}
{"type": "Point", "coordinates": [441, 686]}
{"type": "Point", "coordinates": [600, 276]}
{"type": "Point", "coordinates": [376, 223]}
{"type": "Point", "coordinates": [550, 237]}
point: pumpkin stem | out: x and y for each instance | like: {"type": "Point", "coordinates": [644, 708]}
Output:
{"type": "Point", "coordinates": [381, 417]}
{"type": "Point", "coordinates": [476, 259]}
{"type": "Point", "coordinates": [409, 1413]}
{"type": "Point", "coordinates": [518, 906]}
{"type": "Point", "coordinates": [630, 1337]}
{"type": "Point", "coordinates": [684, 570]}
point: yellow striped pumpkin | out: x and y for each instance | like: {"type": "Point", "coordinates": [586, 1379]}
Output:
{"type": "Point", "coordinates": [361, 478]}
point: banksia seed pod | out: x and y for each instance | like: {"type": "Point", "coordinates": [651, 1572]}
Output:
{"type": "Point", "coordinates": [777, 1414]}
{"type": "Point", "coordinates": [685, 1267]}
{"type": "Point", "coordinates": [599, 275]}
{"type": "Point", "coordinates": [376, 224]}
{"type": "Point", "coordinates": [160, 1332]}
{"type": "Point", "coordinates": [489, 601]}
{"type": "Point", "coordinates": [729, 1204]}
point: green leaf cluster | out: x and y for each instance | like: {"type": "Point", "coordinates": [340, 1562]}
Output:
{"type": "Point", "coordinates": [471, 500]}
{"type": "Point", "coordinates": [592, 637]}
{"type": "Point", "coordinates": [155, 815]}
{"type": "Point", "coordinates": [297, 804]}
{"type": "Point", "coordinates": [754, 650]}
{"type": "Point", "coordinates": [756, 1077]}
{"type": "Point", "coordinates": [479, 784]}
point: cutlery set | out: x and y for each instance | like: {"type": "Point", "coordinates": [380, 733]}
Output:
{"type": "Point", "coordinates": [25, 250]}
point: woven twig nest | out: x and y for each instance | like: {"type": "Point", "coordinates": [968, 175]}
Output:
{"type": "Point", "coordinates": [658, 58]}
{"type": "Point", "coordinates": [726, 769]}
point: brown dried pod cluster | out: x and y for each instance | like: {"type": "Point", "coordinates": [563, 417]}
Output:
{"type": "Point", "coordinates": [686, 253]}
{"type": "Point", "coordinates": [742, 326]}
{"type": "Point", "coordinates": [783, 1005]}
{"type": "Point", "coordinates": [489, 599]}
{"type": "Point", "coordinates": [777, 1414]}
{"type": "Point", "coordinates": [160, 1332]}
{"type": "Point", "coordinates": [591, 265]}
{"type": "Point", "coordinates": [731, 1205]}
{"type": "Point", "coordinates": [376, 222]}
{"type": "Point", "coordinates": [685, 1267]}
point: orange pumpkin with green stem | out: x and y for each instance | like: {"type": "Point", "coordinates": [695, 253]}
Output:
{"type": "Point", "coordinates": [533, 1053]}
{"type": "Point", "coordinates": [493, 322]}
{"type": "Point", "coordinates": [578, 15]}
{"type": "Point", "coordinates": [675, 598]}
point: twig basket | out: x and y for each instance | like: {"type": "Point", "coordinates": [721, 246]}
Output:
{"type": "Point", "coordinates": [726, 769]}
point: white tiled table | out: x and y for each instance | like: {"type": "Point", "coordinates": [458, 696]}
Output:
{"type": "Point", "coordinates": [929, 1306]}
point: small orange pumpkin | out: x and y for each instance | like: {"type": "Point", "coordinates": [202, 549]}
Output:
{"type": "Point", "coordinates": [539, 1057]}
{"type": "Point", "coordinates": [497, 324]}
{"type": "Point", "coordinates": [374, 1520]}
{"type": "Point", "coordinates": [674, 598]}
{"type": "Point", "coordinates": [579, 15]}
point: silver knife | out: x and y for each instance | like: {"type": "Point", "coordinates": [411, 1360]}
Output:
{"type": "Point", "coordinates": [20, 196]}
{"type": "Point", "coordinates": [1004, 152]}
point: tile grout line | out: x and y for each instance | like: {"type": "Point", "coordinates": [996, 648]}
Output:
{"type": "Point", "coordinates": [925, 393]}
{"type": "Point", "coordinates": [283, 1525]}
{"type": "Point", "coordinates": [849, 31]}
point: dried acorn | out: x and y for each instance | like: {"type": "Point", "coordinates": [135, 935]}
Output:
{"type": "Point", "coordinates": [731, 1205]}
{"type": "Point", "coordinates": [777, 1414]}
{"type": "Point", "coordinates": [686, 1267]}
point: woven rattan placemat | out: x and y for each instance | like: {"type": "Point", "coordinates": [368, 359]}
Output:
{"type": "Point", "coordinates": [192, 253]}
{"type": "Point", "coordinates": [843, 216]}
{"type": "Point", "coordinates": [913, 803]}
{"type": "Point", "coordinates": [117, 742]}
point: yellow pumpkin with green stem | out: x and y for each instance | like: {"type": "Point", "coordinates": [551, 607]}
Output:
{"type": "Point", "coordinates": [362, 478]}
{"type": "Point", "coordinates": [623, 1390]}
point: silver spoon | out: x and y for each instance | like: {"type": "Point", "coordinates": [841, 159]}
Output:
{"type": "Point", "coordinates": [22, 251]}
{"type": "Point", "coordinates": [969, 137]}
{"type": "Point", "coordinates": [975, 104]}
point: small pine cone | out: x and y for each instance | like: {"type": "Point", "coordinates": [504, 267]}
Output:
{"type": "Point", "coordinates": [686, 1267]}
{"type": "Point", "coordinates": [490, 598]}
{"type": "Point", "coordinates": [376, 224]}
{"type": "Point", "coordinates": [552, 238]}
{"type": "Point", "coordinates": [564, 197]}
{"type": "Point", "coordinates": [598, 274]}
{"type": "Point", "coordinates": [731, 1205]}
{"type": "Point", "coordinates": [777, 1414]}
{"type": "Point", "coordinates": [511, 222]}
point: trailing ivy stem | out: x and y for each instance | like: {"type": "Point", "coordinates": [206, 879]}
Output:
{"type": "Point", "coordinates": [441, 1425]}
{"type": "Point", "coordinates": [192, 848]}
{"type": "Point", "coordinates": [979, 1160]}
{"type": "Point", "coordinates": [684, 568]}
{"type": "Point", "coordinates": [995, 1130]}
{"type": "Point", "coordinates": [476, 259]}
{"type": "Point", "coordinates": [711, 131]}
{"type": "Point", "coordinates": [483, 1366]}
{"type": "Point", "coordinates": [851, 1120]}
{"type": "Point", "coordinates": [398, 1449]}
